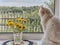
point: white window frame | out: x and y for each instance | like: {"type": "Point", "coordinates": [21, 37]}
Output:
{"type": "Point", "coordinates": [57, 10]}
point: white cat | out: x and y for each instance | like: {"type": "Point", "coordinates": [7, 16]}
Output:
{"type": "Point", "coordinates": [51, 27]}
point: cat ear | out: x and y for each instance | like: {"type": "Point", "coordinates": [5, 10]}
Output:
{"type": "Point", "coordinates": [41, 7]}
{"type": "Point", "coordinates": [42, 11]}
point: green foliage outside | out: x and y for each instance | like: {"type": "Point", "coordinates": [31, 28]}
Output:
{"type": "Point", "coordinates": [29, 13]}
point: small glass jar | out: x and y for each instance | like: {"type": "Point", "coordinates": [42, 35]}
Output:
{"type": "Point", "coordinates": [17, 38]}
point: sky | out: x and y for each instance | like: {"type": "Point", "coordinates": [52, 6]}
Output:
{"type": "Point", "coordinates": [19, 3]}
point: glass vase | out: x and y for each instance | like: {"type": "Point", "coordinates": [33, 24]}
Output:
{"type": "Point", "coordinates": [17, 38]}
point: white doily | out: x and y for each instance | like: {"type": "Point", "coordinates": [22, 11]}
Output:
{"type": "Point", "coordinates": [24, 43]}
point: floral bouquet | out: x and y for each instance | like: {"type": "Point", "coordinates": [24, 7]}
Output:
{"type": "Point", "coordinates": [18, 25]}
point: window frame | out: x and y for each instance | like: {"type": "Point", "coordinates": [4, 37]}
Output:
{"type": "Point", "coordinates": [38, 34]}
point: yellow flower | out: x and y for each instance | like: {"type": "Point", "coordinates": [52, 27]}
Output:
{"type": "Point", "coordinates": [24, 20]}
{"type": "Point", "coordinates": [24, 26]}
{"type": "Point", "coordinates": [11, 23]}
{"type": "Point", "coordinates": [19, 19]}
{"type": "Point", "coordinates": [17, 24]}
{"type": "Point", "coordinates": [20, 27]}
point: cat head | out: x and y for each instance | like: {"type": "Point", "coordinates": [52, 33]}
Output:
{"type": "Point", "coordinates": [44, 11]}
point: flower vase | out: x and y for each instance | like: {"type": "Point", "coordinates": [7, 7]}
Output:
{"type": "Point", "coordinates": [17, 38]}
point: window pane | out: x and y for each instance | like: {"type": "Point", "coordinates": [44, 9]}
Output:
{"type": "Point", "coordinates": [27, 9]}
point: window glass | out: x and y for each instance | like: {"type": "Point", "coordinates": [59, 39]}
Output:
{"type": "Point", "coordinates": [27, 9]}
